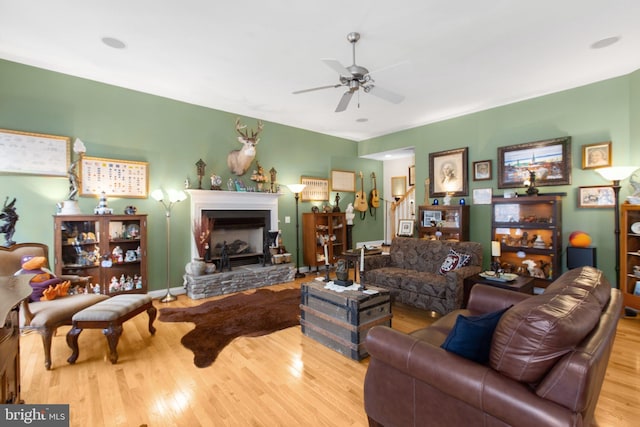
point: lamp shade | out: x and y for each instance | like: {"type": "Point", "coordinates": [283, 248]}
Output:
{"type": "Point", "coordinates": [158, 195]}
{"type": "Point", "coordinates": [296, 188]}
{"type": "Point", "coordinates": [616, 173]}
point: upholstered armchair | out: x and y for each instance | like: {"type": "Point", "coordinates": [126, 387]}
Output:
{"type": "Point", "coordinates": [43, 317]}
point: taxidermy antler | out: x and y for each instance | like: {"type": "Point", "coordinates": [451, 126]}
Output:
{"type": "Point", "coordinates": [240, 160]}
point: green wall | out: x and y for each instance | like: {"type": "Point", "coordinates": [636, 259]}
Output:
{"type": "Point", "coordinates": [123, 124]}
{"type": "Point", "coordinates": [171, 136]}
{"type": "Point", "coordinates": [594, 113]}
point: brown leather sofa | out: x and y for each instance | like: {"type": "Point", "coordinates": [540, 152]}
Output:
{"type": "Point", "coordinates": [547, 361]}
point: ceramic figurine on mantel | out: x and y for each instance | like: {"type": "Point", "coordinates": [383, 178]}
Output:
{"type": "Point", "coordinates": [200, 165]}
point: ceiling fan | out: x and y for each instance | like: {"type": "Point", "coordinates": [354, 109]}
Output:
{"type": "Point", "coordinates": [354, 77]}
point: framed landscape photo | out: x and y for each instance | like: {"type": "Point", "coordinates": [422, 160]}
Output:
{"type": "Point", "coordinates": [596, 155]}
{"type": "Point", "coordinates": [482, 170]}
{"type": "Point", "coordinates": [448, 173]}
{"type": "Point", "coordinates": [405, 227]}
{"type": "Point", "coordinates": [596, 197]}
{"type": "Point", "coordinates": [549, 159]}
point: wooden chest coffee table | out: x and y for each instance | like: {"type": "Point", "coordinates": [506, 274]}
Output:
{"type": "Point", "coordinates": [341, 320]}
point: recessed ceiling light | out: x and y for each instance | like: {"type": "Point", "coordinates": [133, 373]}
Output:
{"type": "Point", "coordinates": [362, 120]}
{"type": "Point", "coordinates": [605, 42]}
{"type": "Point", "coordinates": [113, 42]}
{"type": "Point", "coordinates": [388, 155]}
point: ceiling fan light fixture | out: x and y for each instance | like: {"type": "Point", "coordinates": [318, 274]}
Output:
{"type": "Point", "coordinates": [353, 78]}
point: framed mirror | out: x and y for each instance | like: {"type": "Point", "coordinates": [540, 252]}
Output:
{"type": "Point", "coordinates": [398, 186]}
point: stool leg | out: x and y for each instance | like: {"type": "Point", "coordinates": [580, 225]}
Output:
{"type": "Point", "coordinates": [72, 342]}
{"type": "Point", "coordinates": [113, 332]}
{"type": "Point", "coordinates": [151, 311]}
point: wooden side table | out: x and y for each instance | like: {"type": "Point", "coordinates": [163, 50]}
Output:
{"type": "Point", "coordinates": [523, 284]}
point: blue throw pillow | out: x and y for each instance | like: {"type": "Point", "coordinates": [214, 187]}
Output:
{"type": "Point", "coordinates": [471, 336]}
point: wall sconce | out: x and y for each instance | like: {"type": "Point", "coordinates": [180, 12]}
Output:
{"type": "Point", "coordinates": [617, 174]}
{"type": "Point", "coordinates": [172, 197]}
{"type": "Point", "coordinates": [398, 186]}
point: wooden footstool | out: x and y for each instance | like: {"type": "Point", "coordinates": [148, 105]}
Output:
{"type": "Point", "coordinates": [109, 315]}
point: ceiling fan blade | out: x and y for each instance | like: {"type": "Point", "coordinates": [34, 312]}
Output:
{"type": "Point", "coordinates": [385, 94]}
{"type": "Point", "coordinates": [315, 88]}
{"type": "Point", "coordinates": [344, 101]}
{"type": "Point", "coordinates": [404, 63]}
{"type": "Point", "coordinates": [335, 65]}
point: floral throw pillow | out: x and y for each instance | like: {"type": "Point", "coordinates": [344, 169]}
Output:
{"type": "Point", "coordinates": [454, 261]}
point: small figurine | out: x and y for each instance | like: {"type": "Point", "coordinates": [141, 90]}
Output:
{"type": "Point", "coordinates": [349, 214]}
{"type": "Point", "coordinates": [224, 257]}
{"type": "Point", "coordinates": [200, 165]}
{"type": "Point", "coordinates": [10, 217]}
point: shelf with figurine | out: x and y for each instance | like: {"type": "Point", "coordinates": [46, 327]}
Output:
{"type": "Point", "coordinates": [102, 246]}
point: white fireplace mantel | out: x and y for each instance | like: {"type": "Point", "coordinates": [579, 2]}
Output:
{"type": "Point", "coordinates": [206, 200]}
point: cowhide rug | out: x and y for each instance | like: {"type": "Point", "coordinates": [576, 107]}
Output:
{"type": "Point", "coordinates": [221, 321]}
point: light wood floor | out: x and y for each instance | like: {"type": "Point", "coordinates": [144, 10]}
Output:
{"type": "Point", "coordinates": [282, 379]}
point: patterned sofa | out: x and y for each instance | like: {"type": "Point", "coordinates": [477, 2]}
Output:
{"type": "Point", "coordinates": [412, 273]}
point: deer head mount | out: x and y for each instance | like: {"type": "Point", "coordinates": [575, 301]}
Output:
{"type": "Point", "coordinates": [240, 160]}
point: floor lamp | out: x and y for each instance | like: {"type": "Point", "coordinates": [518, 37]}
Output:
{"type": "Point", "coordinates": [296, 189]}
{"type": "Point", "coordinates": [617, 174]}
{"type": "Point", "coordinates": [174, 197]}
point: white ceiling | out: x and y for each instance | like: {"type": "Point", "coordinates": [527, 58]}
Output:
{"type": "Point", "coordinates": [248, 56]}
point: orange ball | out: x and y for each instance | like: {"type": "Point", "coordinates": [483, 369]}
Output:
{"type": "Point", "coordinates": [579, 239]}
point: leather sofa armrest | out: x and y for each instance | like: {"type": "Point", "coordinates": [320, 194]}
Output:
{"type": "Point", "coordinates": [477, 385]}
{"type": "Point", "coordinates": [486, 299]}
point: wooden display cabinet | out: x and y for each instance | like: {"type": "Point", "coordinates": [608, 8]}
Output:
{"type": "Point", "coordinates": [103, 247]}
{"type": "Point", "coordinates": [529, 228]}
{"type": "Point", "coordinates": [630, 255]}
{"type": "Point", "coordinates": [451, 221]}
{"type": "Point", "coordinates": [317, 225]}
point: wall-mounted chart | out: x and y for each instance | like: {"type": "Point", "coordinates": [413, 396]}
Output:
{"type": "Point", "coordinates": [116, 178]}
{"type": "Point", "coordinates": [34, 153]}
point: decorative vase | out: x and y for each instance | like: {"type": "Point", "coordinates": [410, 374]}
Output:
{"type": "Point", "coordinates": [197, 267]}
{"type": "Point", "coordinates": [210, 268]}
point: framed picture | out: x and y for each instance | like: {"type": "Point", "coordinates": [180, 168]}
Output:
{"type": "Point", "coordinates": [343, 181]}
{"type": "Point", "coordinates": [116, 178]}
{"type": "Point", "coordinates": [596, 155]}
{"type": "Point", "coordinates": [405, 228]}
{"type": "Point", "coordinates": [315, 189]}
{"type": "Point", "coordinates": [482, 196]}
{"type": "Point", "coordinates": [448, 173]}
{"type": "Point", "coordinates": [596, 197]}
{"type": "Point", "coordinates": [549, 159]}
{"type": "Point", "coordinates": [34, 153]}
{"type": "Point", "coordinates": [482, 170]}
{"type": "Point", "coordinates": [431, 218]}
{"type": "Point", "coordinates": [412, 175]}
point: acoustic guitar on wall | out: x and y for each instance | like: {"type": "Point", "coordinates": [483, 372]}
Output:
{"type": "Point", "coordinates": [361, 198]}
{"type": "Point", "coordinates": [374, 197]}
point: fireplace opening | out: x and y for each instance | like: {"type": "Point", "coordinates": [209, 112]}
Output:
{"type": "Point", "coordinates": [242, 231]}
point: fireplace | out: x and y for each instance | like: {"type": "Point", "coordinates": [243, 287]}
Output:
{"type": "Point", "coordinates": [243, 216]}
{"type": "Point", "coordinates": [241, 231]}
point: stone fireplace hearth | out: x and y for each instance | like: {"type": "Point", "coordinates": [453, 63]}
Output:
{"type": "Point", "coordinates": [236, 205]}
